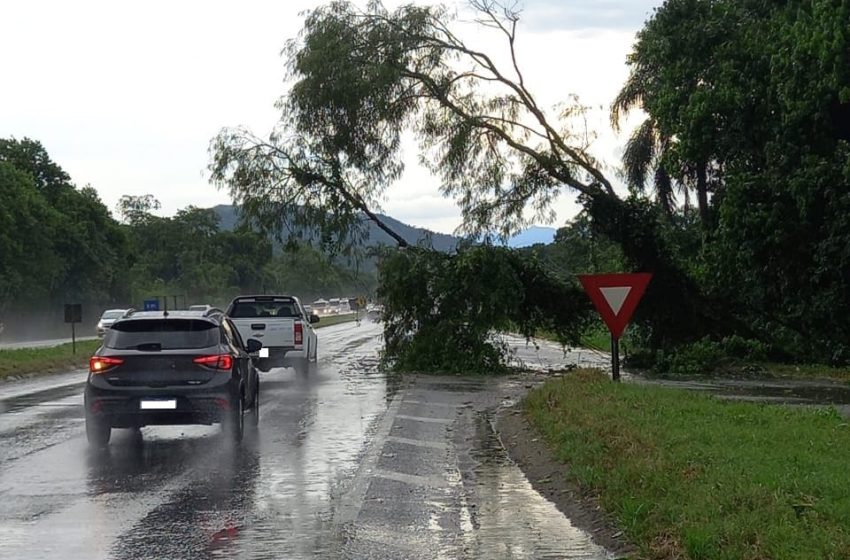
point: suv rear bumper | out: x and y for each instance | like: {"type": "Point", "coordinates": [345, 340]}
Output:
{"type": "Point", "coordinates": [278, 353]}
{"type": "Point", "coordinates": [123, 410]}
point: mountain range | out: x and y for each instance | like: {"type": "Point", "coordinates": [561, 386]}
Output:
{"type": "Point", "coordinates": [229, 217]}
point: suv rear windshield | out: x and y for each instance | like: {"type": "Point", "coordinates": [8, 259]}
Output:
{"type": "Point", "coordinates": [162, 334]}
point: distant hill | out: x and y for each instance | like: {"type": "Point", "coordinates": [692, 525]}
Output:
{"type": "Point", "coordinates": [229, 217]}
{"type": "Point", "coordinates": [532, 236]}
{"type": "Point", "coordinates": [376, 236]}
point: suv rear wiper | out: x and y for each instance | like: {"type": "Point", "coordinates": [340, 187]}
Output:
{"type": "Point", "coordinates": [148, 347]}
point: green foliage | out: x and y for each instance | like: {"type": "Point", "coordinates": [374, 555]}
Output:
{"type": "Point", "coordinates": [310, 274]}
{"type": "Point", "coordinates": [578, 249]}
{"type": "Point", "coordinates": [359, 79]}
{"type": "Point", "coordinates": [689, 476]}
{"type": "Point", "coordinates": [753, 98]}
{"type": "Point", "coordinates": [705, 356]}
{"type": "Point", "coordinates": [59, 243]}
{"type": "Point", "coordinates": [442, 311]}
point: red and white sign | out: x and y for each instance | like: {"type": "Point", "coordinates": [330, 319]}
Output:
{"type": "Point", "coordinates": [616, 296]}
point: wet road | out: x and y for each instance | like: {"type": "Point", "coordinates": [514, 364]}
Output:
{"type": "Point", "coordinates": [346, 463]}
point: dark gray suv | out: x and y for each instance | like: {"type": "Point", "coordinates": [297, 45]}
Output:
{"type": "Point", "coordinates": [178, 367]}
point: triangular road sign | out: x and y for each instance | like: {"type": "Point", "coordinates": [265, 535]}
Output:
{"type": "Point", "coordinates": [615, 296]}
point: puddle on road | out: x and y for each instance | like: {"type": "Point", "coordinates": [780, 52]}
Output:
{"type": "Point", "coordinates": [510, 519]}
{"type": "Point", "coordinates": [768, 391]}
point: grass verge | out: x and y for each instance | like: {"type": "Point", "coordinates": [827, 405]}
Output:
{"type": "Point", "coordinates": [26, 361]}
{"type": "Point", "coordinates": [689, 476]}
{"type": "Point", "coordinates": [327, 321]}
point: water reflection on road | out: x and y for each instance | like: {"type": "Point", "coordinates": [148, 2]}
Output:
{"type": "Point", "coordinates": [347, 463]}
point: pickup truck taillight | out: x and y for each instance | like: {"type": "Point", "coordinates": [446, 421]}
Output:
{"type": "Point", "coordinates": [299, 333]}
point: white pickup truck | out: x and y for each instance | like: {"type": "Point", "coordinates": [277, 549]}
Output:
{"type": "Point", "coordinates": [281, 324]}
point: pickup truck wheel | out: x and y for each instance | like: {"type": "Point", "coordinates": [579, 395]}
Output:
{"type": "Point", "coordinates": [263, 364]}
{"type": "Point", "coordinates": [315, 357]}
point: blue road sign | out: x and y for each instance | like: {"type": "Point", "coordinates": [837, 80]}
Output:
{"type": "Point", "coordinates": [151, 305]}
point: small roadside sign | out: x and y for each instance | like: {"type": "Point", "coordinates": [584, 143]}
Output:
{"type": "Point", "coordinates": [151, 305]}
{"type": "Point", "coordinates": [73, 315]}
{"type": "Point", "coordinates": [615, 296]}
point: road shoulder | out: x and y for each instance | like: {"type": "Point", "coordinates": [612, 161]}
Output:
{"type": "Point", "coordinates": [525, 446]}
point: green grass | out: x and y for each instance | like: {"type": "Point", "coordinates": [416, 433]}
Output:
{"type": "Point", "coordinates": [334, 320]}
{"type": "Point", "coordinates": [689, 476]}
{"type": "Point", "coordinates": [45, 360]}
{"type": "Point", "coordinates": [598, 338]}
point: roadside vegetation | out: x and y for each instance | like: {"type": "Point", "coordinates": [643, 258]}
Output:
{"type": "Point", "coordinates": [60, 243]}
{"type": "Point", "coordinates": [689, 476]}
{"type": "Point", "coordinates": [330, 320]}
{"type": "Point", "coordinates": [26, 361]}
{"type": "Point", "coordinates": [737, 176]}
{"type": "Point", "coordinates": [736, 198]}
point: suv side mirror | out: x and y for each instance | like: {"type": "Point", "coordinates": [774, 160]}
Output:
{"type": "Point", "coordinates": [314, 318]}
{"type": "Point", "coordinates": [253, 345]}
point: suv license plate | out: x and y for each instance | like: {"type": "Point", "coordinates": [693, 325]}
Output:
{"type": "Point", "coordinates": [159, 405]}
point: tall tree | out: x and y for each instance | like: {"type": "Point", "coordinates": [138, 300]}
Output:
{"type": "Point", "coordinates": [361, 78]}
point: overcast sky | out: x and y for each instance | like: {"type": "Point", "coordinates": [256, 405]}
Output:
{"type": "Point", "coordinates": [126, 96]}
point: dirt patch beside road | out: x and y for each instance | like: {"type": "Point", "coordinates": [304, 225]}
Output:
{"type": "Point", "coordinates": [547, 475]}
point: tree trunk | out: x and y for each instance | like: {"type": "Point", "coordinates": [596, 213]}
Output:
{"type": "Point", "coordinates": [702, 193]}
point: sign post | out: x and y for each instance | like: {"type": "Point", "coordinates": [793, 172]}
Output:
{"type": "Point", "coordinates": [73, 315]}
{"type": "Point", "coordinates": [615, 296]}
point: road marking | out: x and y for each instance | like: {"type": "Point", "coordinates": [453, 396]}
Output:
{"type": "Point", "coordinates": [423, 419]}
{"type": "Point", "coordinates": [352, 501]}
{"type": "Point", "coordinates": [449, 405]}
{"type": "Point", "coordinates": [418, 442]}
{"type": "Point", "coordinates": [413, 479]}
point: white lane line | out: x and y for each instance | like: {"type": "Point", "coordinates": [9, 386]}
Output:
{"type": "Point", "coordinates": [424, 419]}
{"type": "Point", "coordinates": [413, 479]}
{"type": "Point", "coordinates": [419, 442]}
{"type": "Point", "coordinates": [352, 501]}
{"type": "Point", "coordinates": [448, 405]}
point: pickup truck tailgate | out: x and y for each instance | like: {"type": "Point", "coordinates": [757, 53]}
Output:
{"type": "Point", "coordinates": [272, 332]}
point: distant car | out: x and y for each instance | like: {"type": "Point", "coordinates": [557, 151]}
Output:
{"type": "Point", "coordinates": [319, 307]}
{"type": "Point", "coordinates": [200, 307]}
{"type": "Point", "coordinates": [344, 306]}
{"type": "Point", "coordinates": [333, 306]}
{"type": "Point", "coordinates": [108, 318]}
{"type": "Point", "coordinates": [178, 367]}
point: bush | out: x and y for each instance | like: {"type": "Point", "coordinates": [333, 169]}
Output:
{"type": "Point", "coordinates": [701, 357]}
{"type": "Point", "coordinates": [441, 311]}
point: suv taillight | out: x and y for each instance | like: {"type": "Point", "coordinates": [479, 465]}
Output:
{"type": "Point", "coordinates": [99, 364]}
{"type": "Point", "coordinates": [217, 361]}
{"type": "Point", "coordinates": [299, 333]}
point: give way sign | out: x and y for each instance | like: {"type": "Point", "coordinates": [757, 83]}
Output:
{"type": "Point", "coordinates": [615, 296]}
